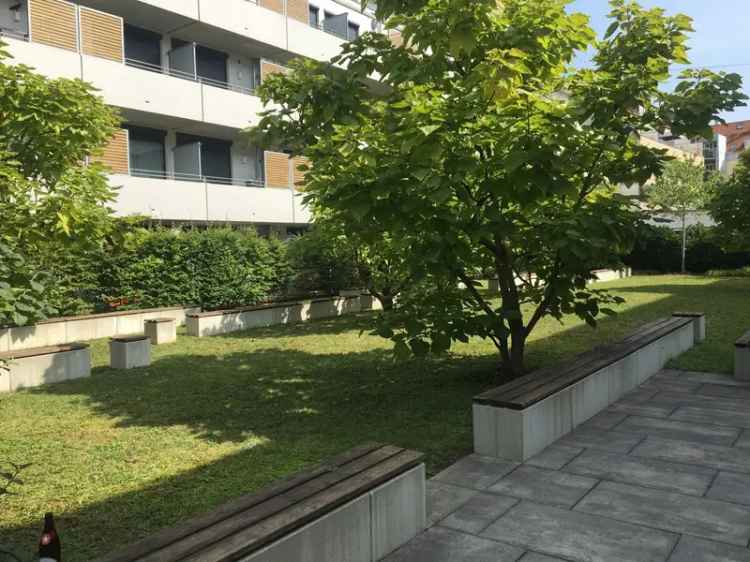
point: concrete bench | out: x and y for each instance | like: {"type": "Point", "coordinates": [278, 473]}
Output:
{"type": "Point", "coordinates": [160, 330]}
{"type": "Point", "coordinates": [519, 419]}
{"type": "Point", "coordinates": [742, 358]}
{"type": "Point", "coordinates": [129, 352]}
{"type": "Point", "coordinates": [357, 507]}
{"type": "Point", "coordinates": [232, 320]}
{"type": "Point", "coordinates": [43, 365]}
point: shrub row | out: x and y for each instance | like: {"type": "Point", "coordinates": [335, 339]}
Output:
{"type": "Point", "coordinates": [659, 249]}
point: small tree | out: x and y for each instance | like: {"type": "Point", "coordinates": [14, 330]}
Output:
{"type": "Point", "coordinates": [683, 188]}
{"type": "Point", "coordinates": [731, 206]}
{"type": "Point", "coordinates": [483, 148]}
{"type": "Point", "coordinates": [51, 202]}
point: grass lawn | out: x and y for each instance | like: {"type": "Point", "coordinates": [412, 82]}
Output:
{"type": "Point", "coordinates": [121, 454]}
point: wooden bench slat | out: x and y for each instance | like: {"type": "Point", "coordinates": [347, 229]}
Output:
{"type": "Point", "coordinates": [610, 355]}
{"type": "Point", "coordinates": [36, 351]}
{"type": "Point", "coordinates": [554, 371]}
{"type": "Point", "coordinates": [350, 464]}
{"type": "Point", "coordinates": [165, 537]}
{"type": "Point", "coordinates": [256, 537]}
{"type": "Point", "coordinates": [536, 386]}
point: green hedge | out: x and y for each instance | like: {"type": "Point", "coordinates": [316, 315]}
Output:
{"type": "Point", "coordinates": [658, 249]}
{"type": "Point", "coordinates": [213, 268]}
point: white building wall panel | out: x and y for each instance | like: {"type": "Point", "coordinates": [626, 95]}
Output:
{"type": "Point", "coordinates": [49, 61]}
{"type": "Point", "coordinates": [229, 108]}
{"type": "Point", "coordinates": [246, 18]}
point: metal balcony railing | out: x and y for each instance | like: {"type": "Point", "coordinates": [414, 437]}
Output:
{"type": "Point", "coordinates": [5, 32]}
{"type": "Point", "coordinates": [183, 176]}
{"type": "Point", "coordinates": [135, 63]}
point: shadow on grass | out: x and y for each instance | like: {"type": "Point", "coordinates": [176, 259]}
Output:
{"type": "Point", "coordinates": [298, 407]}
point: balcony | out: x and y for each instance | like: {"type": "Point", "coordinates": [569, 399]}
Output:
{"type": "Point", "coordinates": [246, 19]}
{"type": "Point", "coordinates": [313, 43]}
{"type": "Point", "coordinates": [206, 200]}
{"type": "Point", "coordinates": [49, 61]}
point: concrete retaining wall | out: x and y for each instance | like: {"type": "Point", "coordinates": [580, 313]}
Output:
{"type": "Point", "coordinates": [224, 321]}
{"type": "Point", "coordinates": [612, 274]}
{"type": "Point", "coordinates": [58, 331]}
{"type": "Point", "coordinates": [518, 435]}
{"type": "Point", "coordinates": [44, 366]}
{"type": "Point", "coordinates": [363, 530]}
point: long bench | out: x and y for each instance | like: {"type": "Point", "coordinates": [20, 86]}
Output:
{"type": "Point", "coordinates": [519, 419]}
{"type": "Point", "coordinates": [224, 321]}
{"type": "Point", "coordinates": [742, 358]}
{"type": "Point", "coordinates": [43, 365]}
{"type": "Point", "coordinates": [57, 331]}
{"type": "Point", "coordinates": [357, 507]}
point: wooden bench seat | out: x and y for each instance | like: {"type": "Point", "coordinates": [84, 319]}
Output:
{"type": "Point", "coordinates": [534, 387]}
{"type": "Point", "coordinates": [518, 419]}
{"type": "Point", "coordinates": [26, 368]}
{"type": "Point", "coordinates": [258, 521]}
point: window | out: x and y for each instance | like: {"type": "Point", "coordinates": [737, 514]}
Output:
{"type": "Point", "coordinates": [353, 31]}
{"type": "Point", "coordinates": [215, 158]}
{"type": "Point", "coordinates": [211, 64]}
{"type": "Point", "coordinates": [147, 154]}
{"type": "Point", "coordinates": [314, 16]}
{"type": "Point", "coordinates": [142, 48]}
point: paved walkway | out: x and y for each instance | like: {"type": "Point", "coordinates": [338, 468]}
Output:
{"type": "Point", "coordinates": [663, 474]}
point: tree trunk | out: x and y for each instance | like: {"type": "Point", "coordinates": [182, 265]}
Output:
{"type": "Point", "coordinates": [513, 362]}
{"type": "Point", "coordinates": [386, 301]}
{"type": "Point", "coordinates": [684, 243]}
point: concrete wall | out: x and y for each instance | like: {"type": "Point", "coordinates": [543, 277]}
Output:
{"type": "Point", "coordinates": [84, 328]}
{"type": "Point", "coordinates": [47, 368]}
{"type": "Point", "coordinates": [612, 274]}
{"type": "Point", "coordinates": [363, 530]}
{"type": "Point", "coordinates": [211, 324]}
{"type": "Point", "coordinates": [520, 434]}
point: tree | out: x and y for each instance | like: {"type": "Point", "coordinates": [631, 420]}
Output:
{"type": "Point", "coordinates": [731, 206]}
{"type": "Point", "coordinates": [683, 187]}
{"type": "Point", "coordinates": [51, 202]}
{"type": "Point", "coordinates": [481, 147]}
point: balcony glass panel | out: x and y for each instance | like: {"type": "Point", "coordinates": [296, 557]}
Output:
{"type": "Point", "coordinates": [142, 48]}
{"type": "Point", "coordinates": [147, 153]}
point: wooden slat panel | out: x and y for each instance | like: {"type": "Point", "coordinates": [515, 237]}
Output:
{"type": "Point", "coordinates": [536, 386]}
{"type": "Point", "coordinates": [395, 37]}
{"type": "Point", "coordinates": [101, 34]}
{"type": "Point", "coordinates": [299, 10]}
{"type": "Point", "coordinates": [268, 68]}
{"type": "Point", "coordinates": [298, 176]}
{"type": "Point", "coordinates": [115, 154]}
{"type": "Point", "coordinates": [54, 23]}
{"type": "Point", "coordinates": [257, 536]}
{"type": "Point", "coordinates": [275, 5]}
{"type": "Point", "coordinates": [277, 170]}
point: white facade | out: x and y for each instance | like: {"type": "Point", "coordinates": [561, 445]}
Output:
{"type": "Point", "coordinates": [193, 109]}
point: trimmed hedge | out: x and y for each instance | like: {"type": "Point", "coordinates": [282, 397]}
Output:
{"type": "Point", "coordinates": [659, 248]}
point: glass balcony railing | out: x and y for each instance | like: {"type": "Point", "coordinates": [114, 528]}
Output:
{"type": "Point", "coordinates": [135, 63]}
{"type": "Point", "coordinates": [182, 176]}
{"type": "Point", "coordinates": [13, 34]}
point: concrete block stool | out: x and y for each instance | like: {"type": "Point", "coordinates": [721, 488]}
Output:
{"type": "Point", "coordinates": [742, 358]}
{"type": "Point", "coordinates": [161, 330]}
{"type": "Point", "coordinates": [129, 352]}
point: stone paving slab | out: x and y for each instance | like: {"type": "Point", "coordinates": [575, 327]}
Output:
{"type": "Point", "coordinates": [673, 385]}
{"type": "Point", "coordinates": [578, 536]}
{"type": "Point", "coordinates": [534, 557]}
{"type": "Point", "coordinates": [693, 549]}
{"type": "Point", "coordinates": [652, 473]}
{"type": "Point", "coordinates": [603, 421]}
{"type": "Point", "coordinates": [442, 499]}
{"type": "Point", "coordinates": [477, 513]}
{"type": "Point", "coordinates": [744, 440]}
{"type": "Point", "coordinates": [475, 472]}
{"type": "Point", "coordinates": [709, 415]}
{"type": "Point", "coordinates": [701, 517]}
{"type": "Point", "coordinates": [731, 487]}
{"type": "Point", "coordinates": [648, 408]}
{"type": "Point", "coordinates": [544, 486]}
{"type": "Point", "coordinates": [614, 441]}
{"type": "Point", "coordinates": [696, 376]}
{"type": "Point", "coordinates": [554, 457]}
{"type": "Point", "coordinates": [723, 458]}
{"type": "Point", "coordinates": [724, 391]}
{"type": "Point", "coordinates": [682, 431]}
{"type": "Point", "coordinates": [700, 400]}
{"type": "Point", "coordinates": [444, 545]}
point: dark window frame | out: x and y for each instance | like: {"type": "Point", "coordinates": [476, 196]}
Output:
{"type": "Point", "coordinates": [313, 11]}
{"type": "Point", "coordinates": [352, 27]}
{"type": "Point", "coordinates": [147, 134]}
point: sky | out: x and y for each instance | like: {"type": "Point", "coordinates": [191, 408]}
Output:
{"type": "Point", "coordinates": [721, 37]}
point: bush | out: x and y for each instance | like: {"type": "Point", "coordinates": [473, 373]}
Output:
{"type": "Point", "coordinates": [214, 268]}
{"type": "Point", "coordinates": [322, 262]}
{"type": "Point", "coordinates": [742, 272]}
{"type": "Point", "coordinates": [658, 248]}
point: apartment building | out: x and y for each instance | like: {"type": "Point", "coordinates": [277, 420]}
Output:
{"type": "Point", "coordinates": [183, 74]}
